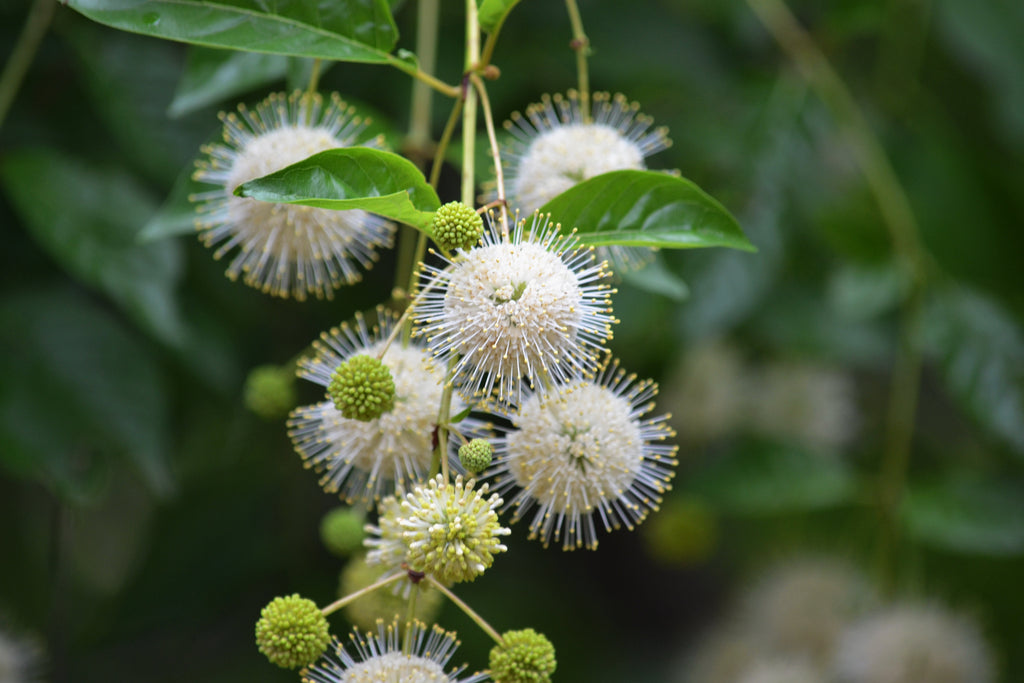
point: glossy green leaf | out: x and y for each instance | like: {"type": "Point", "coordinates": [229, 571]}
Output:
{"type": "Point", "coordinates": [656, 278]}
{"type": "Point", "coordinates": [350, 31]}
{"type": "Point", "coordinates": [78, 387]}
{"type": "Point", "coordinates": [981, 352]}
{"type": "Point", "coordinates": [967, 513]}
{"type": "Point", "coordinates": [87, 219]}
{"type": "Point", "coordinates": [213, 76]}
{"type": "Point", "coordinates": [646, 209]}
{"type": "Point", "coordinates": [769, 478]}
{"type": "Point", "coordinates": [492, 13]}
{"type": "Point", "coordinates": [352, 178]}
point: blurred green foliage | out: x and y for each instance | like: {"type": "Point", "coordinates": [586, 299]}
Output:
{"type": "Point", "coordinates": [148, 517]}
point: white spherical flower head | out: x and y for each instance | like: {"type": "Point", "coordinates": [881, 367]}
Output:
{"type": "Point", "coordinates": [912, 644]}
{"type": "Point", "coordinates": [555, 147]}
{"type": "Point", "coordinates": [362, 461]}
{"type": "Point", "coordinates": [587, 453]}
{"type": "Point", "coordinates": [379, 658]}
{"type": "Point", "coordinates": [284, 249]}
{"type": "Point", "coordinates": [528, 308]}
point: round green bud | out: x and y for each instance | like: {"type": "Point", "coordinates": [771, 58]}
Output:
{"type": "Point", "coordinates": [292, 632]}
{"type": "Point", "coordinates": [526, 657]}
{"type": "Point", "coordinates": [341, 531]}
{"type": "Point", "coordinates": [362, 388]}
{"type": "Point", "coordinates": [270, 391]}
{"type": "Point", "coordinates": [475, 456]}
{"type": "Point", "coordinates": [366, 610]}
{"type": "Point", "coordinates": [457, 226]}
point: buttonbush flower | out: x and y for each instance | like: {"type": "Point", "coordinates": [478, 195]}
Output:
{"type": "Point", "coordinates": [285, 249]}
{"type": "Point", "coordinates": [525, 657]}
{"type": "Point", "coordinates": [530, 308]}
{"type": "Point", "coordinates": [378, 658]}
{"type": "Point", "coordinates": [364, 460]}
{"type": "Point", "coordinates": [553, 148]}
{"type": "Point", "coordinates": [292, 631]}
{"type": "Point", "coordinates": [588, 452]}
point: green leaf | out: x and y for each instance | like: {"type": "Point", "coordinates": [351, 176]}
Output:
{"type": "Point", "coordinates": [492, 13]}
{"type": "Point", "coordinates": [177, 216]}
{"type": "Point", "coordinates": [646, 209]}
{"type": "Point", "coordinates": [213, 76]}
{"type": "Point", "coordinates": [656, 278]}
{"type": "Point", "coordinates": [87, 218]}
{"type": "Point", "coordinates": [350, 31]}
{"type": "Point", "coordinates": [78, 387]}
{"type": "Point", "coordinates": [768, 478]}
{"type": "Point", "coordinates": [981, 352]}
{"type": "Point", "coordinates": [968, 513]}
{"type": "Point", "coordinates": [352, 178]}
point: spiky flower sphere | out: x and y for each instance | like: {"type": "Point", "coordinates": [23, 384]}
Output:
{"type": "Point", "coordinates": [292, 631]}
{"type": "Point", "coordinates": [379, 658]}
{"type": "Point", "coordinates": [270, 391]}
{"type": "Point", "coordinates": [285, 249]}
{"type": "Point", "coordinates": [341, 531]}
{"type": "Point", "coordinates": [587, 452]}
{"type": "Point", "coordinates": [362, 461]}
{"type": "Point", "coordinates": [909, 643]}
{"type": "Point", "coordinates": [524, 310]}
{"type": "Point", "coordinates": [554, 147]}
{"type": "Point", "coordinates": [476, 455]}
{"type": "Point", "coordinates": [362, 388]}
{"type": "Point", "coordinates": [525, 657]}
{"type": "Point", "coordinates": [457, 226]}
{"type": "Point", "coordinates": [366, 610]}
{"type": "Point", "coordinates": [449, 531]}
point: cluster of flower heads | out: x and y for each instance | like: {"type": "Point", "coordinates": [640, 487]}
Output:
{"type": "Point", "coordinates": [820, 621]}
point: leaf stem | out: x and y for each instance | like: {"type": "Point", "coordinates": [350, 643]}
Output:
{"type": "Point", "coordinates": [341, 602]}
{"type": "Point", "coordinates": [36, 24]}
{"type": "Point", "coordinates": [495, 151]}
{"type": "Point", "coordinates": [477, 619]}
{"type": "Point", "coordinates": [469, 105]}
{"type": "Point", "coordinates": [420, 75]}
{"type": "Point", "coordinates": [581, 46]}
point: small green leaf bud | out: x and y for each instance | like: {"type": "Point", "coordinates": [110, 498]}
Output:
{"type": "Point", "coordinates": [457, 226]}
{"type": "Point", "coordinates": [292, 632]}
{"type": "Point", "coordinates": [270, 391]}
{"type": "Point", "coordinates": [362, 388]}
{"type": "Point", "coordinates": [341, 530]}
{"type": "Point", "coordinates": [475, 456]}
{"type": "Point", "coordinates": [526, 657]}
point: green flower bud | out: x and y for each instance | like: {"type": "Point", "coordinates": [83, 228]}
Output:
{"type": "Point", "coordinates": [526, 657]}
{"type": "Point", "coordinates": [292, 632]}
{"type": "Point", "coordinates": [341, 531]}
{"type": "Point", "coordinates": [457, 226]}
{"type": "Point", "coordinates": [362, 388]}
{"type": "Point", "coordinates": [270, 391]}
{"type": "Point", "coordinates": [475, 456]}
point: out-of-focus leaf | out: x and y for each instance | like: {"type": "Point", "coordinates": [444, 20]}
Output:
{"type": "Point", "coordinates": [656, 278]}
{"type": "Point", "coordinates": [352, 178]}
{"type": "Point", "coordinates": [865, 291]}
{"type": "Point", "coordinates": [78, 386]}
{"type": "Point", "coordinates": [350, 31]}
{"type": "Point", "coordinates": [767, 478]}
{"type": "Point", "coordinates": [177, 216]}
{"type": "Point", "coordinates": [967, 513]}
{"type": "Point", "coordinates": [646, 209]}
{"type": "Point", "coordinates": [492, 13]}
{"type": "Point", "coordinates": [213, 76]}
{"type": "Point", "coordinates": [981, 352]}
{"type": "Point", "coordinates": [87, 219]}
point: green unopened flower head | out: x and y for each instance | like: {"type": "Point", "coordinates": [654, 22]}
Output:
{"type": "Point", "coordinates": [526, 657]}
{"type": "Point", "coordinates": [475, 456]}
{"type": "Point", "coordinates": [362, 388]}
{"type": "Point", "coordinates": [341, 531]}
{"type": "Point", "coordinates": [457, 226]}
{"type": "Point", "coordinates": [292, 632]}
{"type": "Point", "coordinates": [270, 391]}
